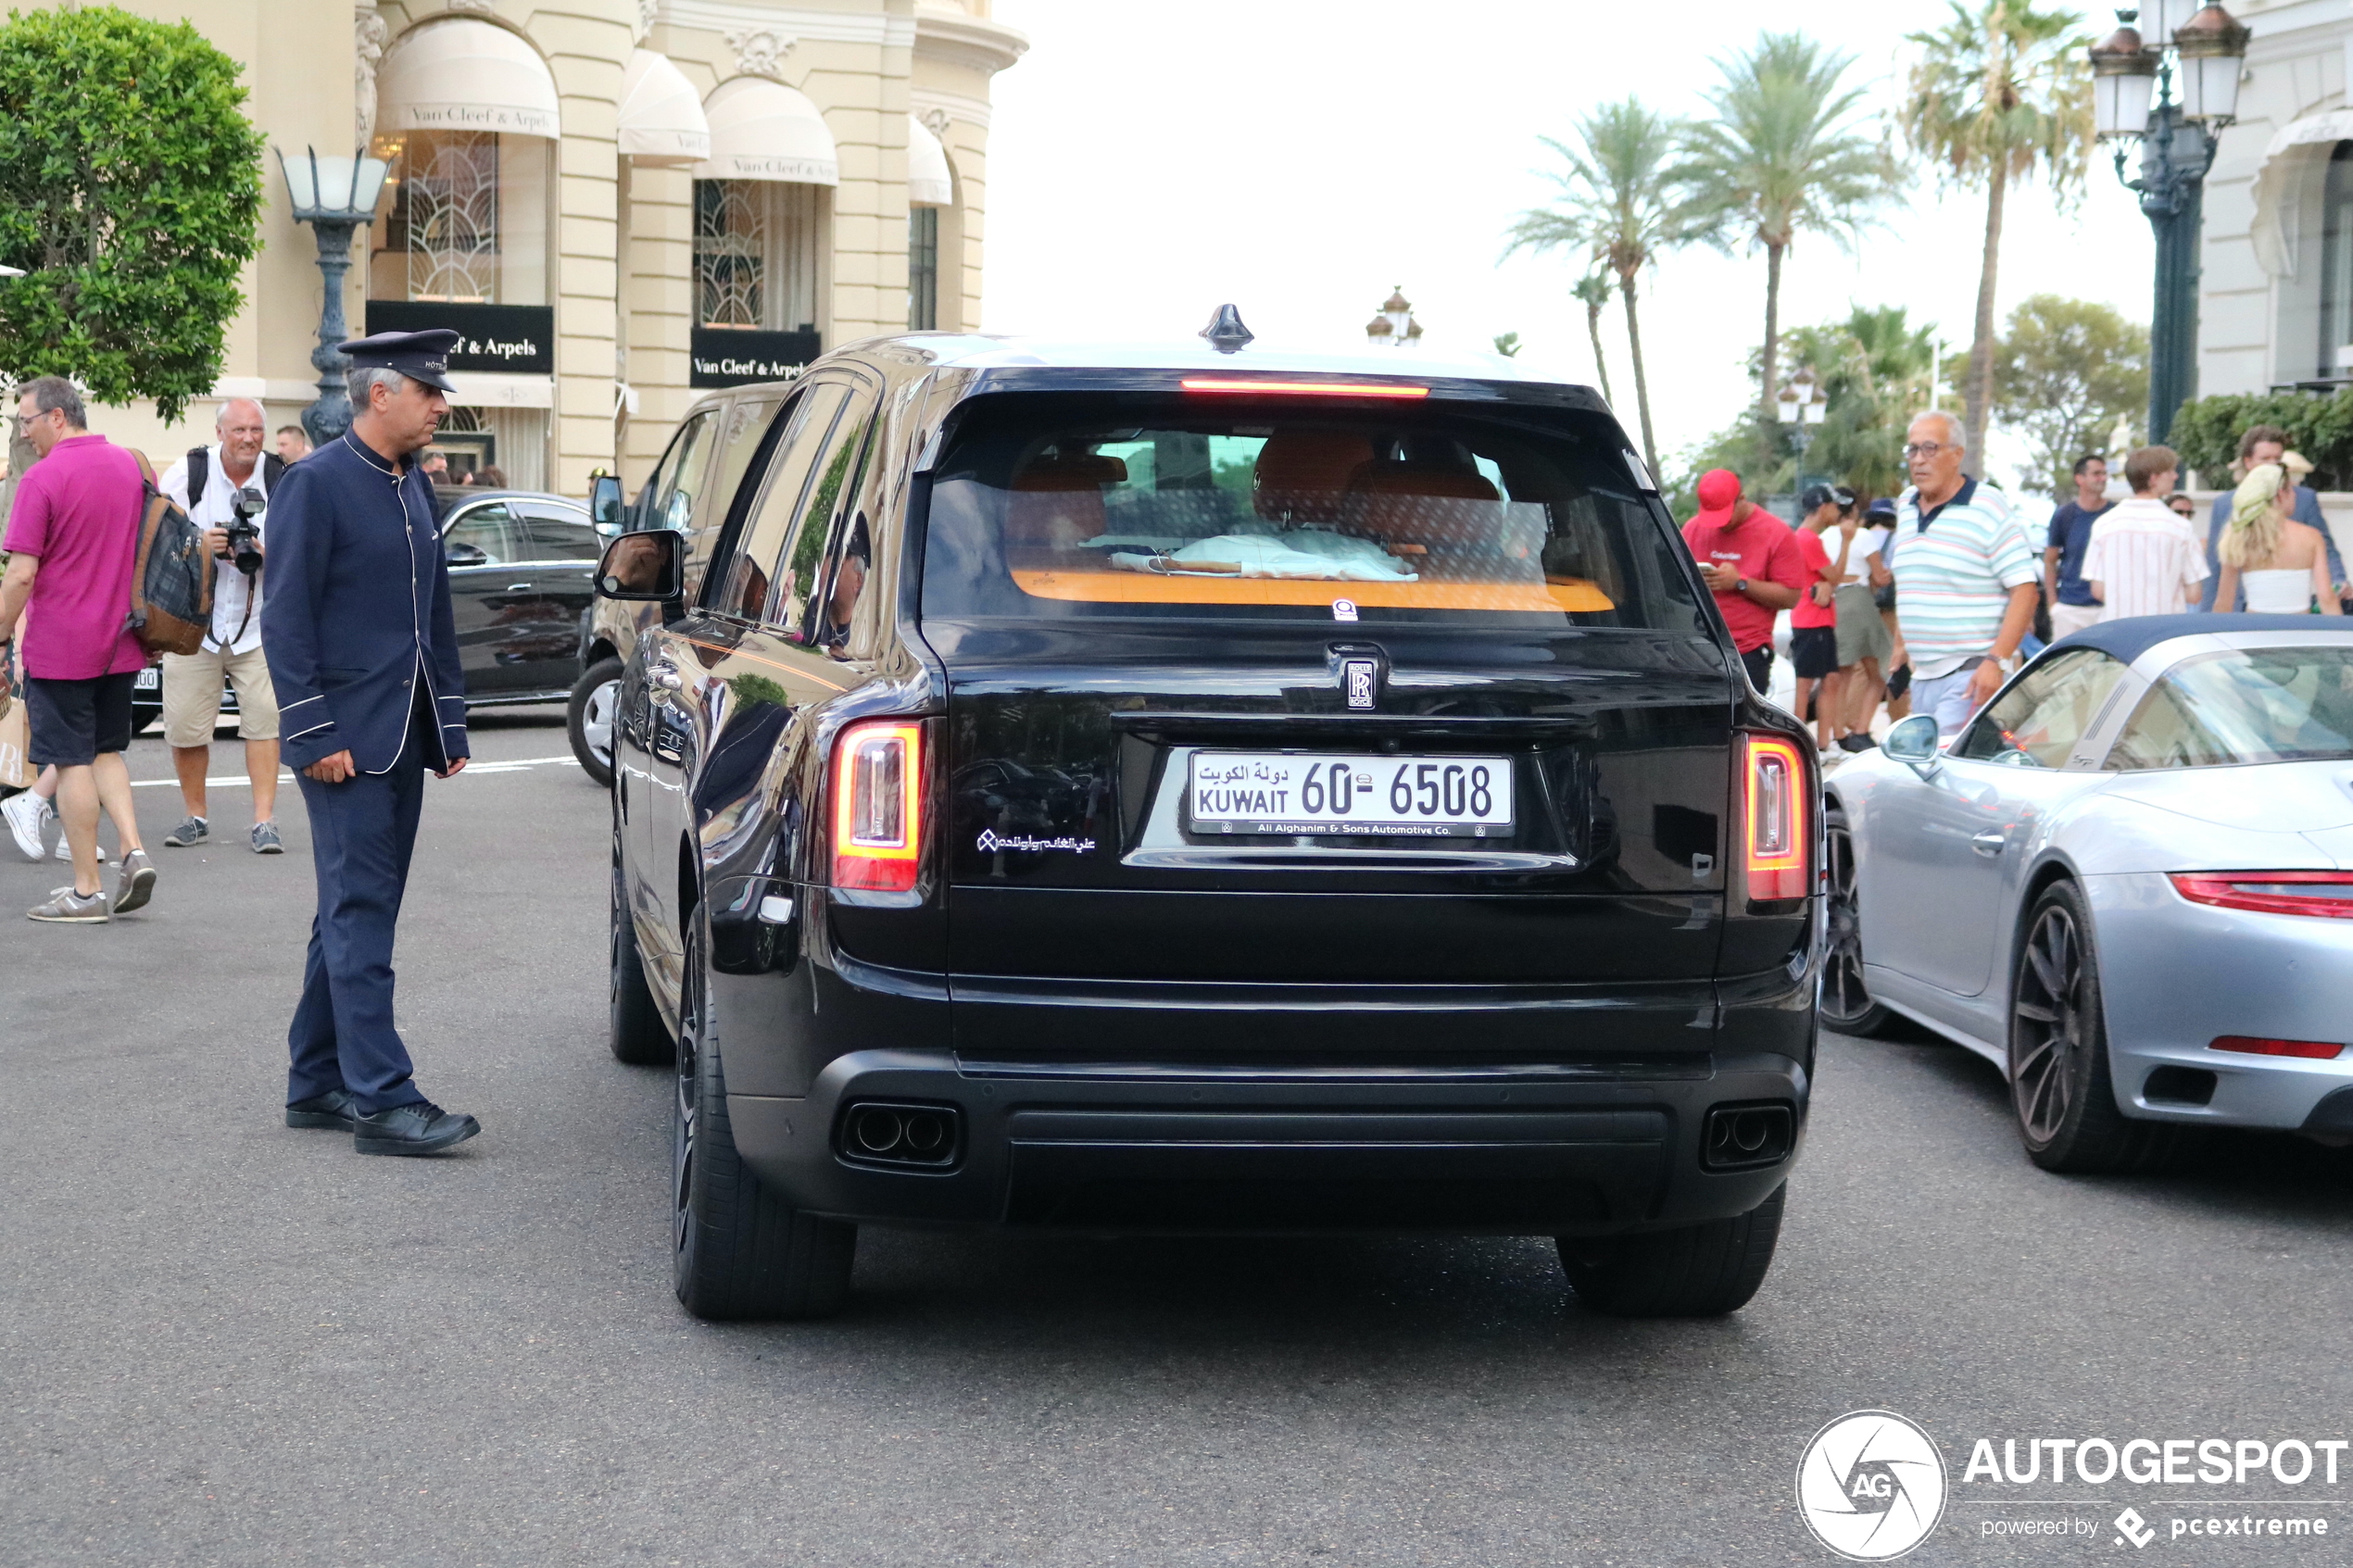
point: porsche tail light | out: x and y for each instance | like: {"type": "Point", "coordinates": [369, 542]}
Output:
{"type": "Point", "coordinates": [878, 804]}
{"type": "Point", "coordinates": [2313, 1051]}
{"type": "Point", "coordinates": [1777, 818]}
{"type": "Point", "coordinates": [2328, 894]}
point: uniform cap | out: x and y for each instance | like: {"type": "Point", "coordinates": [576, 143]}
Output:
{"type": "Point", "coordinates": [1720, 490]}
{"type": "Point", "coordinates": [418, 356]}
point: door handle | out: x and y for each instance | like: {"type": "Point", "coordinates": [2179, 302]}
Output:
{"type": "Point", "coordinates": [1989, 844]}
{"type": "Point", "coordinates": [517, 587]}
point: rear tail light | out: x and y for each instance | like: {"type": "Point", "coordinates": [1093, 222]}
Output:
{"type": "Point", "coordinates": [1258, 388]}
{"type": "Point", "coordinates": [2316, 1050]}
{"type": "Point", "coordinates": [2271, 893]}
{"type": "Point", "coordinates": [1777, 818]}
{"type": "Point", "coordinates": [878, 812]}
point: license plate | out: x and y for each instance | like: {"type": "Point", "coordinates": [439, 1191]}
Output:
{"type": "Point", "coordinates": [148, 680]}
{"type": "Point", "coordinates": [1275, 792]}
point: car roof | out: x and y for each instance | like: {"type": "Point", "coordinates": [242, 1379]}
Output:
{"type": "Point", "coordinates": [981, 351]}
{"type": "Point", "coordinates": [2128, 638]}
{"type": "Point", "coordinates": [466, 495]}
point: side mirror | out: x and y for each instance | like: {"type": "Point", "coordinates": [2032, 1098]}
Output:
{"type": "Point", "coordinates": [605, 503]}
{"type": "Point", "coordinates": [466, 555]}
{"type": "Point", "coordinates": [1913, 741]}
{"type": "Point", "coordinates": [643, 568]}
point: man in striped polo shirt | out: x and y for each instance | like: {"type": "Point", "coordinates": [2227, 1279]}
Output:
{"type": "Point", "coordinates": [1965, 577]}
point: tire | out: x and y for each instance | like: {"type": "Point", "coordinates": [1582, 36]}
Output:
{"type": "Point", "coordinates": [1846, 1007]}
{"type": "Point", "coordinates": [2060, 1090]}
{"type": "Point", "coordinates": [589, 718]}
{"type": "Point", "coordinates": [1700, 1271]}
{"type": "Point", "coordinates": [737, 1251]}
{"type": "Point", "coordinates": [637, 1033]}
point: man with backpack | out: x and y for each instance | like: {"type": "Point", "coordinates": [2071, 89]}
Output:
{"type": "Point", "coordinates": [73, 546]}
{"type": "Point", "coordinates": [210, 484]}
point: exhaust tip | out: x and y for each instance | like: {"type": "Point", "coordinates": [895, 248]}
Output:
{"type": "Point", "coordinates": [901, 1137]}
{"type": "Point", "coordinates": [1748, 1137]}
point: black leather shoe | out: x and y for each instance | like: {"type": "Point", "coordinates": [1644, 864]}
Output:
{"type": "Point", "coordinates": [421, 1127]}
{"type": "Point", "coordinates": [331, 1110]}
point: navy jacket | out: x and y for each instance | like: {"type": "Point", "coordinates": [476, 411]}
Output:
{"type": "Point", "coordinates": [356, 616]}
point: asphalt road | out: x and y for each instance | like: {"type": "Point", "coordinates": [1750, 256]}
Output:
{"type": "Point", "coordinates": [224, 1342]}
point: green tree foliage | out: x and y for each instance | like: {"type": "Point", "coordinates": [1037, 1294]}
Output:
{"type": "Point", "coordinates": [130, 192]}
{"type": "Point", "coordinates": [2206, 432]}
{"type": "Point", "coordinates": [1782, 157]}
{"type": "Point", "coordinates": [1592, 292]}
{"type": "Point", "coordinates": [2064, 370]}
{"type": "Point", "coordinates": [1508, 345]}
{"type": "Point", "coordinates": [1621, 202]}
{"type": "Point", "coordinates": [2000, 93]}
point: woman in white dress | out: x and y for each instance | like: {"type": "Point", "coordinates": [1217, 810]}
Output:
{"type": "Point", "coordinates": [2283, 564]}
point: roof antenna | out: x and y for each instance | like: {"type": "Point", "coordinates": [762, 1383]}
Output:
{"type": "Point", "coordinates": [1226, 332]}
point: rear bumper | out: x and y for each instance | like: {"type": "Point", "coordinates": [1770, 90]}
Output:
{"type": "Point", "coordinates": [1125, 1147]}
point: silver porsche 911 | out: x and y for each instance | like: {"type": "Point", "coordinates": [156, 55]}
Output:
{"type": "Point", "coordinates": [2128, 882]}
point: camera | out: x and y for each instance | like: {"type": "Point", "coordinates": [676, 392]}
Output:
{"type": "Point", "coordinates": [244, 534]}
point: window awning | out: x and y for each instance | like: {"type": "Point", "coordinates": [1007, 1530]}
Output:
{"type": "Point", "coordinates": [2295, 149]}
{"type": "Point", "coordinates": [763, 130]}
{"type": "Point", "coordinates": [929, 183]}
{"type": "Point", "coordinates": [661, 116]}
{"type": "Point", "coordinates": [467, 76]}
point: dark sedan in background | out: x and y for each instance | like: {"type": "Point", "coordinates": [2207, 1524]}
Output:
{"type": "Point", "coordinates": [522, 579]}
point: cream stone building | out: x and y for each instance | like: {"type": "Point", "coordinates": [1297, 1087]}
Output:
{"type": "Point", "coordinates": [617, 202]}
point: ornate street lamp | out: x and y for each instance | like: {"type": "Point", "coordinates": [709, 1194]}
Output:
{"type": "Point", "coordinates": [2173, 95]}
{"type": "Point", "coordinates": [1802, 407]}
{"type": "Point", "coordinates": [336, 197]}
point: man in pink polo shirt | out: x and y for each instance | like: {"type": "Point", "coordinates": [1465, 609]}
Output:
{"type": "Point", "coordinates": [72, 544]}
{"type": "Point", "coordinates": [1749, 559]}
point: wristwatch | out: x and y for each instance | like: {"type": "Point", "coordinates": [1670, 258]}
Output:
{"type": "Point", "coordinates": [1741, 586]}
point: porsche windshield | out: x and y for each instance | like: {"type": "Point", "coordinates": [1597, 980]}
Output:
{"type": "Point", "coordinates": [1169, 509]}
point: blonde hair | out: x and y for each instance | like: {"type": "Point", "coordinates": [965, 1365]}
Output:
{"type": "Point", "coordinates": [2253, 535]}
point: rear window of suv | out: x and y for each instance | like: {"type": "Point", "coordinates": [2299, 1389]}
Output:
{"type": "Point", "coordinates": [1125, 506]}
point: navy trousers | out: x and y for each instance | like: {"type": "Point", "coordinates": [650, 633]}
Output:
{"type": "Point", "coordinates": [362, 832]}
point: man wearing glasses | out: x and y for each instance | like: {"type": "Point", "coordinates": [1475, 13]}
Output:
{"type": "Point", "coordinates": [1965, 577]}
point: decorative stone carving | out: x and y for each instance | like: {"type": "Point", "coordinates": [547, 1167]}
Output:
{"type": "Point", "coordinates": [761, 51]}
{"type": "Point", "coordinates": [369, 34]}
{"type": "Point", "coordinates": [937, 121]}
{"type": "Point", "coordinates": [649, 13]}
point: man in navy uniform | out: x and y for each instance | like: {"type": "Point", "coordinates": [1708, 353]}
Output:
{"type": "Point", "coordinates": [363, 653]}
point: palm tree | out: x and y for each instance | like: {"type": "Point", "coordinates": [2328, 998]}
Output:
{"type": "Point", "coordinates": [1621, 202]}
{"type": "Point", "coordinates": [1593, 291]}
{"type": "Point", "coordinates": [1782, 158]}
{"type": "Point", "coordinates": [1997, 95]}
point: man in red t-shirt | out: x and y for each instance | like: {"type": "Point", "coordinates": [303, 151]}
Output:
{"type": "Point", "coordinates": [1813, 637]}
{"type": "Point", "coordinates": [1748, 558]}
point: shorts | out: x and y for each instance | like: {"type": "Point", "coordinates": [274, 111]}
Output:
{"type": "Point", "coordinates": [73, 721]}
{"type": "Point", "coordinates": [191, 696]}
{"type": "Point", "coordinates": [1813, 651]}
{"type": "Point", "coordinates": [2073, 618]}
{"type": "Point", "coordinates": [1947, 697]}
{"type": "Point", "coordinates": [1862, 631]}
{"type": "Point", "coordinates": [1758, 663]}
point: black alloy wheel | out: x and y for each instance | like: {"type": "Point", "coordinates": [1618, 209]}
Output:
{"type": "Point", "coordinates": [737, 1251]}
{"type": "Point", "coordinates": [1846, 1005]}
{"type": "Point", "coordinates": [634, 1025]}
{"type": "Point", "coordinates": [2058, 1066]}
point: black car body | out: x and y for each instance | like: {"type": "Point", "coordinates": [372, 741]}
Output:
{"type": "Point", "coordinates": [949, 842]}
{"type": "Point", "coordinates": [522, 572]}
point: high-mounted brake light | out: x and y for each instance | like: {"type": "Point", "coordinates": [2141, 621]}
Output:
{"type": "Point", "coordinates": [878, 812]}
{"type": "Point", "coordinates": [1303, 388]}
{"type": "Point", "coordinates": [1776, 818]}
{"type": "Point", "coordinates": [2271, 893]}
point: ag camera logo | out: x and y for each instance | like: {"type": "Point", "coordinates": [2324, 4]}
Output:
{"type": "Point", "coordinates": [1870, 1486]}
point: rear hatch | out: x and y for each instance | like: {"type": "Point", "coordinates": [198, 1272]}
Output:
{"type": "Point", "coordinates": [1319, 691]}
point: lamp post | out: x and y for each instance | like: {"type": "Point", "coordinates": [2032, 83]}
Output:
{"type": "Point", "coordinates": [1802, 406]}
{"type": "Point", "coordinates": [2173, 97]}
{"type": "Point", "coordinates": [336, 197]}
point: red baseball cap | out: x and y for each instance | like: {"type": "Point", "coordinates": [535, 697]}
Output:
{"type": "Point", "coordinates": [1719, 492]}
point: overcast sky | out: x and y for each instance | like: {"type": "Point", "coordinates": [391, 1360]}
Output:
{"type": "Point", "coordinates": [1300, 157]}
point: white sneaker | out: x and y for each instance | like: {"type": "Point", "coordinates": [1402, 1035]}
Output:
{"type": "Point", "coordinates": [24, 813]}
{"type": "Point", "coordinates": [65, 850]}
